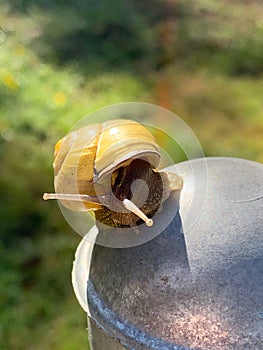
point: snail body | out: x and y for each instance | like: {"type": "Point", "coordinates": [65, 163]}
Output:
{"type": "Point", "coordinates": [102, 167]}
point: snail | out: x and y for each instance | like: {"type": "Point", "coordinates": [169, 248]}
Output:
{"type": "Point", "coordinates": [104, 168]}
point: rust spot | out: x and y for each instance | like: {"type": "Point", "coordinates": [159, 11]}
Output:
{"type": "Point", "coordinates": [165, 279]}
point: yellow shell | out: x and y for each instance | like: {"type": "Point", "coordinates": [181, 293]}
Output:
{"type": "Point", "coordinates": [87, 155]}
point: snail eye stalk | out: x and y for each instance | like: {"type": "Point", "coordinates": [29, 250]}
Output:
{"type": "Point", "coordinates": [129, 205]}
{"type": "Point", "coordinates": [71, 197]}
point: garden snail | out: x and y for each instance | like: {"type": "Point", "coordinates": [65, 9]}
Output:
{"type": "Point", "coordinates": [104, 168]}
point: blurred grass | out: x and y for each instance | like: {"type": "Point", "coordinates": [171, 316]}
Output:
{"type": "Point", "coordinates": [58, 62]}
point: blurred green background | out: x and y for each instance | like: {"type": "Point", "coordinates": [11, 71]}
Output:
{"type": "Point", "coordinates": [59, 61]}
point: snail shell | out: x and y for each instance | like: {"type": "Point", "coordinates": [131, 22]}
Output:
{"type": "Point", "coordinates": [103, 161]}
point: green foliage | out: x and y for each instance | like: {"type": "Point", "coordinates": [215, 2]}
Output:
{"type": "Point", "coordinates": [60, 61]}
{"type": "Point", "coordinates": [105, 33]}
{"type": "Point", "coordinates": [36, 301]}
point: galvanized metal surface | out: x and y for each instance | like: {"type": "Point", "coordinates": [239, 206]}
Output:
{"type": "Point", "coordinates": [199, 284]}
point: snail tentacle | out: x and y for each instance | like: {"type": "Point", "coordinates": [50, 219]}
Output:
{"type": "Point", "coordinates": [135, 210]}
{"type": "Point", "coordinates": [72, 197]}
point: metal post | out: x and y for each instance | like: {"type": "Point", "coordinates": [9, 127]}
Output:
{"type": "Point", "coordinates": [199, 284]}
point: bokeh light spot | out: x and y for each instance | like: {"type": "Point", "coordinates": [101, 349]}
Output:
{"type": "Point", "coordinates": [10, 82]}
{"type": "Point", "coordinates": [59, 99]}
